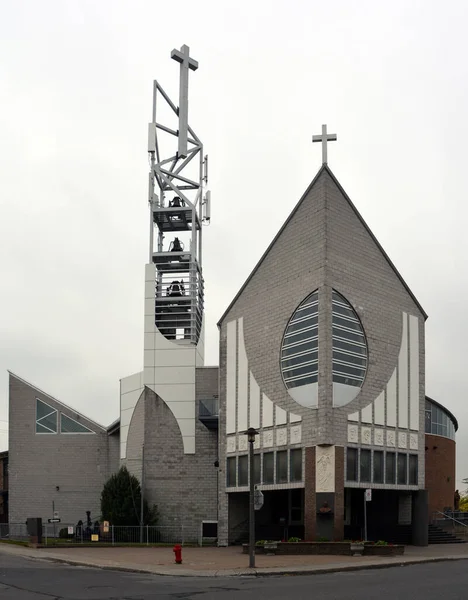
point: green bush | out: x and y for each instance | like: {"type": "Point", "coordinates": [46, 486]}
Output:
{"type": "Point", "coordinates": [381, 543]}
{"type": "Point", "coordinates": [294, 539]}
{"type": "Point", "coordinates": [121, 500]}
{"type": "Point", "coordinates": [64, 535]}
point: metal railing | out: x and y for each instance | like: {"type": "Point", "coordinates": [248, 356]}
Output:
{"type": "Point", "coordinates": [13, 531]}
{"type": "Point", "coordinates": [63, 534]}
{"type": "Point", "coordinates": [448, 515]}
{"type": "Point", "coordinates": [208, 407]}
{"type": "Point", "coordinates": [446, 520]}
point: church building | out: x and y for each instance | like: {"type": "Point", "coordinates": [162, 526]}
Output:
{"type": "Point", "coordinates": [322, 353]}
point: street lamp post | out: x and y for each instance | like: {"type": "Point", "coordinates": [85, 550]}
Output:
{"type": "Point", "coordinates": [251, 433]}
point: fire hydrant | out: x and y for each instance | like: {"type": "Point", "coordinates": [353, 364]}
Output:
{"type": "Point", "coordinates": [178, 553]}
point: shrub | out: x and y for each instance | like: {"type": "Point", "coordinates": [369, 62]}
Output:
{"type": "Point", "coordinates": [294, 539]}
{"type": "Point", "coordinates": [121, 500]}
{"type": "Point", "coordinates": [64, 535]}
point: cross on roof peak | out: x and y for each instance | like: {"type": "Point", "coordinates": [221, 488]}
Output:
{"type": "Point", "coordinates": [324, 138]}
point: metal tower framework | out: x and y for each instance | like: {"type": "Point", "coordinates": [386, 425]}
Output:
{"type": "Point", "coordinates": [177, 205]}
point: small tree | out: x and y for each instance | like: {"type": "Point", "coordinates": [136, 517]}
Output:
{"type": "Point", "coordinates": [464, 503]}
{"type": "Point", "coordinates": [464, 498]}
{"type": "Point", "coordinates": [121, 501]}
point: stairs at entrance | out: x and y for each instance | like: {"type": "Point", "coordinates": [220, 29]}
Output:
{"type": "Point", "coordinates": [439, 536]}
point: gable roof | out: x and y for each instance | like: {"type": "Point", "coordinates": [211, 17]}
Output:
{"type": "Point", "coordinates": [324, 168]}
{"type": "Point", "coordinates": [69, 408]}
{"type": "Point", "coordinates": [114, 427]}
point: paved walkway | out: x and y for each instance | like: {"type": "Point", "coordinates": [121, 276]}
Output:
{"type": "Point", "coordinates": [210, 562]}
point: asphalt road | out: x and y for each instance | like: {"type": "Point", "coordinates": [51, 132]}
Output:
{"type": "Point", "coordinates": [24, 579]}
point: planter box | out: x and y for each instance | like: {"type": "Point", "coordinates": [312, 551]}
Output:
{"type": "Point", "coordinates": [357, 549]}
{"type": "Point", "coordinates": [331, 548]}
{"type": "Point", "coordinates": [372, 550]}
{"type": "Point", "coordinates": [340, 548]}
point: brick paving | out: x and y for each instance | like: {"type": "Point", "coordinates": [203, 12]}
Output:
{"type": "Point", "coordinates": [228, 561]}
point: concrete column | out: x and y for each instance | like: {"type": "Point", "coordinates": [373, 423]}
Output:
{"type": "Point", "coordinates": [420, 518]}
{"type": "Point", "coordinates": [324, 509]}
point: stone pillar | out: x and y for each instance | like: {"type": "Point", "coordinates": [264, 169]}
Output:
{"type": "Point", "coordinates": [309, 494]}
{"type": "Point", "coordinates": [420, 518]}
{"type": "Point", "coordinates": [324, 493]}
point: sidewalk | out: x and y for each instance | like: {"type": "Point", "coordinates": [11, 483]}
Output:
{"type": "Point", "coordinates": [225, 562]}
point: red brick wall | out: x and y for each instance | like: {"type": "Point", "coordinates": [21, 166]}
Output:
{"type": "Point", "coordinates": [309, 494]}
{"type": "Point", "coordinates": [310, 503]}
{"type": "Point", "coordinates": [440, 472]}
{"type": "Point", "coordinates": [339, 493]}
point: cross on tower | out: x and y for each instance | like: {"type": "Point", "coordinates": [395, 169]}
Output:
{"type": "Point", "coordinates": [186, 63]}
{"type": "Point", "coordinates": [324, 138]}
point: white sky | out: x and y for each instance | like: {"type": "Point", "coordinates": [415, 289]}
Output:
{"type": "Point", "coordinates": [390, 78]}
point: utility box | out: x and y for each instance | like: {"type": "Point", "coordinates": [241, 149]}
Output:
{"type": "Point", "coordinates": [34, 528]}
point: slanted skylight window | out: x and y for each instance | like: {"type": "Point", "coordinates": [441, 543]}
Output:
{"type": "Point", "coordinates": [68, 425]}
{"type": "Point", "coordinates": [46, 418]}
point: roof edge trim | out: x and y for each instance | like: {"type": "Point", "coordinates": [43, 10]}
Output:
{"type": "Point", "coordinates": [272, 243]}
{"type": "Point", "coordinates": [445, 409]}
{"type": "Point", "coordinates": [290, 216]}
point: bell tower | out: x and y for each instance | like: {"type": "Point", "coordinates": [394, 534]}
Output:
{"type": "Point", "coordinates": [179, 206]}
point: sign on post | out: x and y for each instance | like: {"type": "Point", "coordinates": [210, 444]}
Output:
{"type": "Point", "coordinates": [259, 499]}
{"type": "Point", "coordinates": [53, 520]}
{"type": "Point", "coordinates": [368, 495]}
{"type": "Point", "coordinates": [70, 530]}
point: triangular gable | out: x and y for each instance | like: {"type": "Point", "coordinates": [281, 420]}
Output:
{"type": "Point", "coordinates": [68, 409]}
{"type": "Point", "coordinates": [322, 170]}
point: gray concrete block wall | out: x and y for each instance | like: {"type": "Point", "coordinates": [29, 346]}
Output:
{"type": "Point", "coordinates": [136, 439]}
{"type": "Point", "coordinates": [182, 486]}
{"type": "Point", "coordinates": [292, 269]}
{"type": "Point", "coordinates": [323, 246]}
{"type": "Point", "coordinates": [359, 271]}
{"type": "Point", "coordinates": [77, 464]}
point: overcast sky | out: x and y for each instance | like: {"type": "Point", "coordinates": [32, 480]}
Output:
{"type": "Point", "coordinates": [390, 78]}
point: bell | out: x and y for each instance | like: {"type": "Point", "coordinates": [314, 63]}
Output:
{"type": "Point", "coordinates": [176, 246]}
{"type": "Point", "coordinates": [176, 289]}
{"type": "Point", "coordinates": [176, 202]}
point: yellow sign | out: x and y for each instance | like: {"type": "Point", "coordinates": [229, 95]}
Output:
{"type": "Point", "coordinates": [94, 537]}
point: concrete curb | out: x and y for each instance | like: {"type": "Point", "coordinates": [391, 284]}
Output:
{"type": "Point", "coordinates": [266, 572]}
